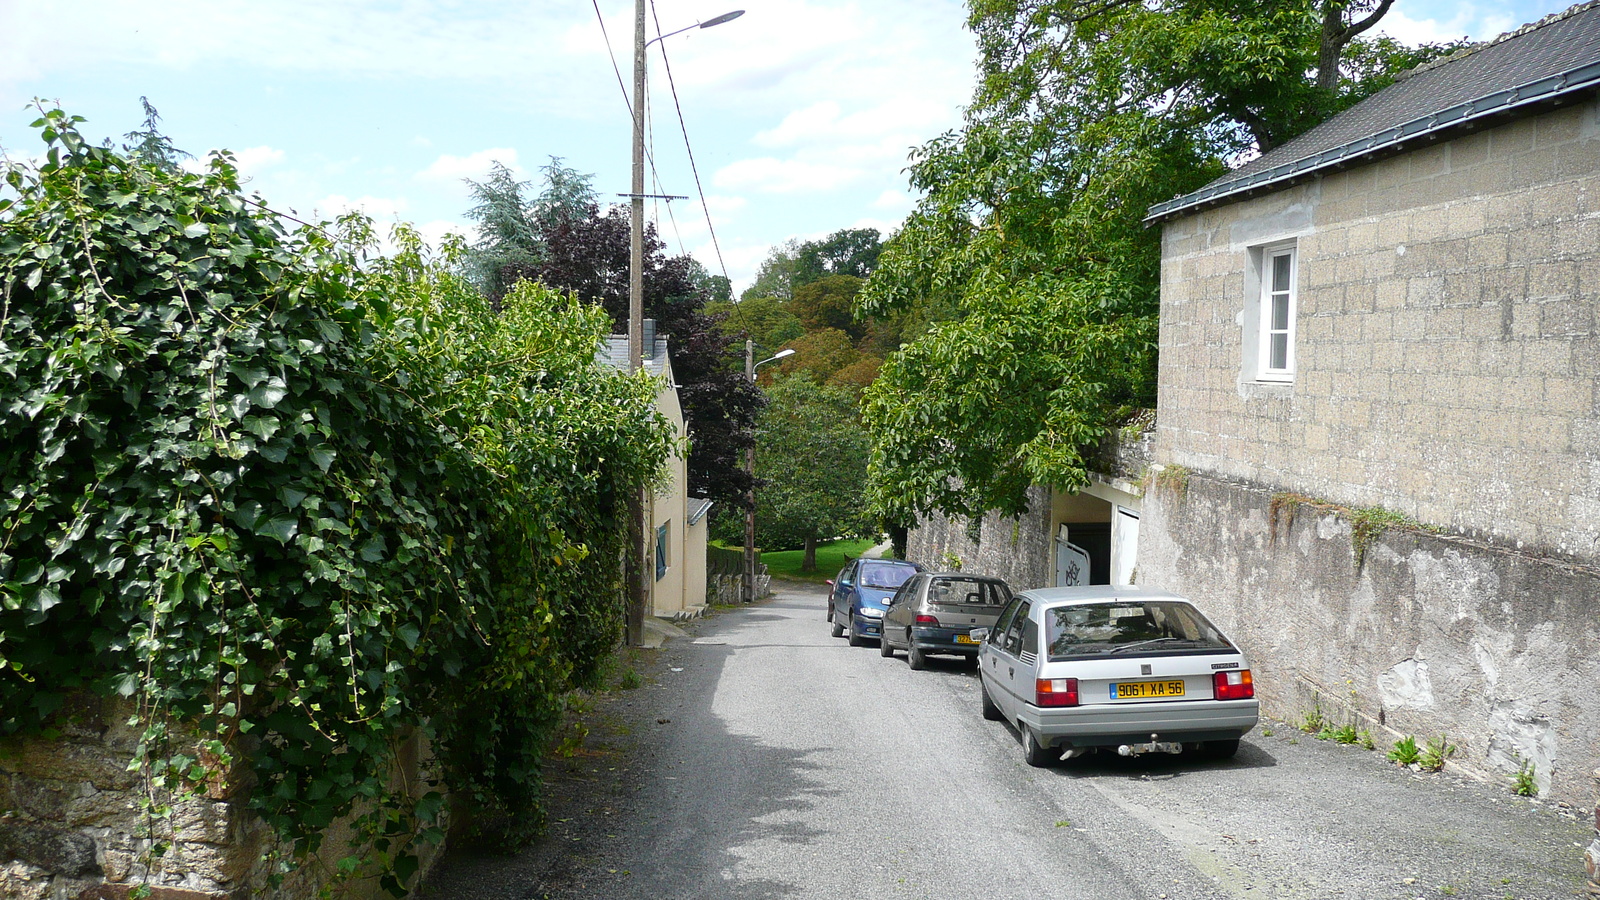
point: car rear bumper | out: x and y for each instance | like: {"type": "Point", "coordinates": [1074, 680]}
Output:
{"type": "Point", "coordinates": [930, 639]}
{"type": "Point", "coordinates": [1108, 725]}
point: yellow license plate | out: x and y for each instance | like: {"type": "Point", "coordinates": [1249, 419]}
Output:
{"type": "Point", "coordinates": [1146, 690]}
{"type": "Point", "coordinates": [965, 639]}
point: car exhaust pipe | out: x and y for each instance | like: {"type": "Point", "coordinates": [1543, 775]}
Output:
{"type": "Point", "coordinates": [1074, 753]}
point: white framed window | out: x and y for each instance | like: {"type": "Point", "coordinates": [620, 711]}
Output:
{"type": "Point", "coordinates": [1276, 312]}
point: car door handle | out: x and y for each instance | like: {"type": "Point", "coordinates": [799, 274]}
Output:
{"type": "Point", "coordinates": [1011, 672]}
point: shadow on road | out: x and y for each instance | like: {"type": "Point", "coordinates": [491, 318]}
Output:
{"type": "Point", "coordinates": [663, 803]}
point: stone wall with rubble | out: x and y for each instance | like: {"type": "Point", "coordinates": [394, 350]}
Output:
{"type": "Point", "coordinates": [73, 824]}
{"type": "Point", "coordinates": [1421, 634]}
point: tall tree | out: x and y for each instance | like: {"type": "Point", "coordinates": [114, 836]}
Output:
{"type": "Point", "coordinates": [149, 145]}
{"type": "Point", "coordinates": [813, 461]}
{"type": "Point", "coordinates": [1026, 261]}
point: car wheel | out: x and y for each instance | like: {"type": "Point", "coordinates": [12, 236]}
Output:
{"type": "Point", "coordinates": [884, 648]}
{"type": "Point", "coordinates": [830, 612]}
{"type": "Point", "coordinates": [915, 658]}
{"type": "Point", "coordinates": [990, 711]}
{"type": "Point", "coordinates": [838, 630]}
{"type": "Point", "coordinates": [1035, 754]}
{"type": "Point", "coordinates": [1221, 749]}
{"type": "Point", "coordinates": [856, 640]}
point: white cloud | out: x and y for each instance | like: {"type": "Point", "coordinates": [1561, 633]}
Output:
{"type": "Point", "coordinates": [384, 208]}
{"type": "Point", "coordinates": [475, 165]}
{"type": "Point", "coordinates": [252, 160]}
{"type": "Point", "coordinates": [784, 176]}
{"type": "Point", "coordinates": [892, 200]}
{"type": "Point", "coordinates": [434, 232]}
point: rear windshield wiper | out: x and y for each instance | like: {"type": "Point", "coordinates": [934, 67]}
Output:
{"type": "Point", "coordinates": [1137, 644]}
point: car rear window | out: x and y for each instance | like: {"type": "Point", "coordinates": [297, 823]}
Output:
{"type": "Point", "coordinates": [1151, 626]}
{"type": "Point", "coordinates": [885, 575]}
{"type": "Point", "coordinates": [967, 592]}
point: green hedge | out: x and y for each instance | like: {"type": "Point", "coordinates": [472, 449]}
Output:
{"type": "Point", "coordinates": [297, 500]}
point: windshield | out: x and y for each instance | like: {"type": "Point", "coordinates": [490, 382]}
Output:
{"type": "Point", "coordinates": [885, 575]}
{"type": "Point", "coordinates": [1146, 626]}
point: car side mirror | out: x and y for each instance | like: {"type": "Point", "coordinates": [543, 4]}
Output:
{"type": "Point", "coordinates": [830, 582]}
{"type": "Point", "coordinates": [979, 634]}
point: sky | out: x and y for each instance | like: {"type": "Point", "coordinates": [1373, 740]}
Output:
{"type": "Point", "coordinates": [800, 115]}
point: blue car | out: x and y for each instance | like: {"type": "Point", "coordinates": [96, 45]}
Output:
{"type": "Point", "coordinates": [860, 594]}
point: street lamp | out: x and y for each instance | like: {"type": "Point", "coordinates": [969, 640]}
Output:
{"type": "Point", "coordinates": [750, 470]}
{"type": "Point", "coordinates": [636, 527]}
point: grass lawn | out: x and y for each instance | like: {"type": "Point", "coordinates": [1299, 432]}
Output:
{"type": "Point", "coordinates": [785, 564]}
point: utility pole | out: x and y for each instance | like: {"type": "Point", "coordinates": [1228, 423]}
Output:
{"type": "Point", "coordinates": [750, 492]}
{"type": "Point", "coordinates": [636, 568]}
{"type": "Point", "coordinates": [636, 571]}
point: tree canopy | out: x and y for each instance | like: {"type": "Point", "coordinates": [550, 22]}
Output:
{"type": "Point", "coordinates": [815, 454]}
{"type": "Point", "coordinates": [564, 239]}
{"type": "Point", "coordinates": [1026, 265]}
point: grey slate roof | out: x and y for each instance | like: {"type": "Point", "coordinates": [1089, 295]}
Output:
{"type": "Point", "coordinates": [1549, 62]}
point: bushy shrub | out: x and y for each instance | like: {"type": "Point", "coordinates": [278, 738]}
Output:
{"type": "Point", "coordinates": [295, 503]}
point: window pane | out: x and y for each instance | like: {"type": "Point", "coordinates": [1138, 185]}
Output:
{"type": "Point", "coordinates": [1280, 312]}
{"type": "Point", "coordinates": [1280, 272]}
{"type": "Point", "coordinates": [1280, 352]}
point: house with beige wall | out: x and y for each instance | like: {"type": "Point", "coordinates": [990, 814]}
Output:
{"type": "Point", "coordinates": [1377, 449]}
{"type": "Point", "coordinates": [678, 528]}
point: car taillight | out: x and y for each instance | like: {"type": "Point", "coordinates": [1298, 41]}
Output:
{"type": "Point", "coordinates": [1056, 692]}
{"type": "Point", "coordinates": [927, 620]}
{"type": "Point", "coordinates": [1235, 685]}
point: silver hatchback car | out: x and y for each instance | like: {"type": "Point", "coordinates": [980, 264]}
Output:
{"type": "Point", "coordinates": [936, 612]}
{"type": "Point", "coordinates": [1138, 671]}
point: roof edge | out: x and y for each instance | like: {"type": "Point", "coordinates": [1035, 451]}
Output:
{"type": "Point", "coordinates": [1507, 103]}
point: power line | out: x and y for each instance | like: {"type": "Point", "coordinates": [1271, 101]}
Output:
{"type": "Point", "coordinates": [706, 208]}
{"type": "Point", "coordinates": [649, 151]}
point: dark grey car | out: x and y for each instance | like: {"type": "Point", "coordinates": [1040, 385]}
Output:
{"type": "Point", "coordinates": [934, 613]}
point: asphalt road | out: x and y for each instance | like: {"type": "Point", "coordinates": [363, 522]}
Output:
{"type": "Point", "coordinates": [768, 760]}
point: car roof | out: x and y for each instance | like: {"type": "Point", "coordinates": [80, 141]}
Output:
{"type": "Point", "coordinates": [967, 576]}
{"type": "Point", "coordinates": [1097, 593]}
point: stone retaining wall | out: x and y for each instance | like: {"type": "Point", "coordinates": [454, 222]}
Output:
{"type": "Point", "coordinates": [73, 825]}
{"type": "Point", "coordinates": [1427, 634]}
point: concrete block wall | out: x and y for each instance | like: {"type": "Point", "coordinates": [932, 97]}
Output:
{"type": "Point", "coordinates": [1429, 635]}
{"type": "Point", "coordinates": [72, 826]}
{"type": "Point", "coordinates": [1448, 337]}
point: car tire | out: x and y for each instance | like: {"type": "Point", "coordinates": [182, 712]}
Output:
{"type": "Point", "coordinates": [885, 649]}
{"type": "Point", "coordinates": [990, 711]}
{"type": "Point", "coordinates": [1034, 753]}
{"type": "Point", "coordinates": [856, 640]}
{"type": "Point", "coordinates": [915, 658]}
{"type": "Point", "coordinates": [830, 612]}
{"type": "Point", "coordinates": [838, 630]}
{"type": "Point", "coordinates": [1221, 749]}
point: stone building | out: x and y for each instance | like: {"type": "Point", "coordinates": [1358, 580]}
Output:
{"type": "Point", "coordinates": [1378, 433]}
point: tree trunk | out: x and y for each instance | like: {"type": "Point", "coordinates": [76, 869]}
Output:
{"type": "Point", "coordinates": [808, 563]}
{"type": "Point", "coordinates": [1336, 35]}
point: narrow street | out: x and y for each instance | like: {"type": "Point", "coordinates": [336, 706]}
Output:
{"type": "Point", "coordinates": [764, 759]}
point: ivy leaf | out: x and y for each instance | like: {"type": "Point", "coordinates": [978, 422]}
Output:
{"type": "Point", "coordinates": [280, 528]}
